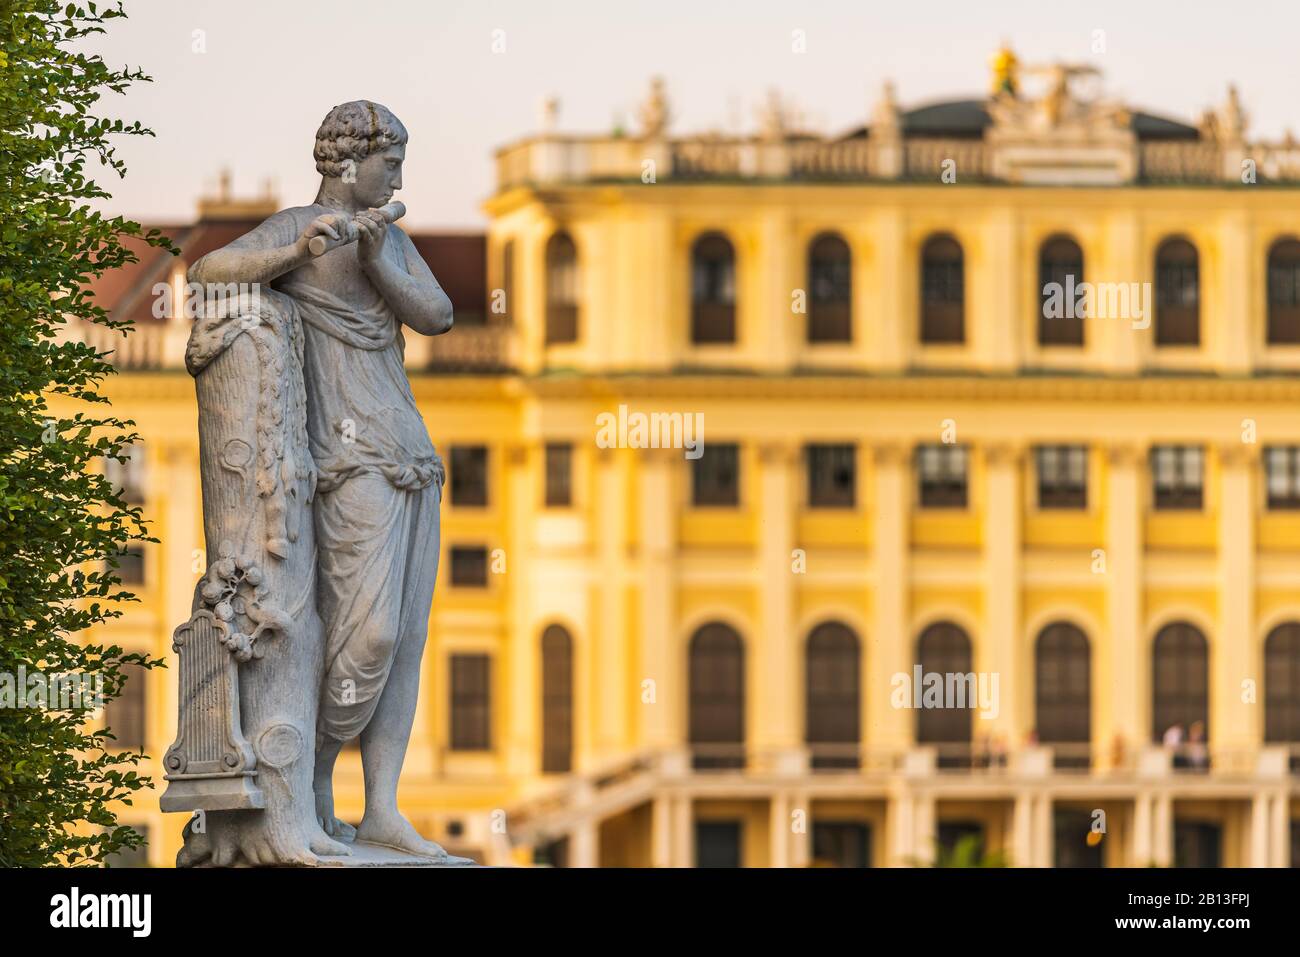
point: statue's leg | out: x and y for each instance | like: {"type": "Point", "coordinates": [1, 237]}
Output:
{"type": "Point", "coordinates": [385, 739]}
{"type": "Point", "coordinates": [322, 786]}
{"type": "Point", "coordinates": [362, 540]}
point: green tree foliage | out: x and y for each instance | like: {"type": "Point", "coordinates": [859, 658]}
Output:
{"type": "Point", "coordinates": [61, 521]}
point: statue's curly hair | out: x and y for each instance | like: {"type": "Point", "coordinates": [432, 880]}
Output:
{"type": "Point", "coordinates": [352, 131]}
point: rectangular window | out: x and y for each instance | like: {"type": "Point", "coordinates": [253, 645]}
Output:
{"type": "Point", "coordinates": [832, 476]}
{"type": "Point", "coordinates": [716, 476]}
{"type": "Point", "coordinates": [130, 565]}
{"type": "Point", "coordinates": [469, 566]}
{"type": "Point", "coordinates": [1282, 476]}
{"type": "Point", "coordinates": [469, 475]}
{"type": "Point", "coordinates": [941, 474]}
{"type": "Point", "coordinates": [471, 702]}
{"type": "Point", "coordinates": [129, 479]}
{"type": "Point", "coordinates": [124, 715]}
{"type": "Point", "coordinates": [559, 475]}
{"type": "Point", "coordinates": [1177, 476]}
{"type": "Point", "coordinates": [1062, 476]}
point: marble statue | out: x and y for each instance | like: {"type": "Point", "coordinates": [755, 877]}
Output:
{"type": "Point", "coordinates": [321, 492]}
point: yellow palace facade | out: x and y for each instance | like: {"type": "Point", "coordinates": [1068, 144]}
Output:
{"type": "Point", "coordinates": [938, 561]}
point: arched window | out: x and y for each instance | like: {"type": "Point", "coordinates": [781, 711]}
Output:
{"type": "Point", "coordinates": [1284, 292]}
{"type": "Point", "coordinates": [943, 291]}
{"type": "Point", "coordinates": [944, 649]}
{"type": "Point", "coordinates": [832, 699]}
{"type": "Point", "coordinates": [830, 290]}
{"type": "Point", "coordinates": [557, 701]}
{"type": "Point", "coordinates": [1063, 692]}
{"type": "Point", "coordinates": [1178, 294]}
{"type": "Point", "coordinates": [561, 290]}
{"type": "Point", "coordinates": [1282, 684]}
{"type": "Point", "coordinates": [717, 709]}
{"type": "Point", "coordinates": [1060, 271]}
{"type": "Point", "coordinates": [1180, 677]}
{"type": "Point", "coordinates": [713, 290]}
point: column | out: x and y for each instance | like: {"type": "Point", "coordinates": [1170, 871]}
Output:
{"type": "Point", "coordinates": [1022, 830]}
{"type": "Point", "coordinates": [924, 827]}
{"type": "Point", "coordinates": [1280, 831]}
{"type": "Point", "coordinates": [1003, 647]}
{"type": "Point", "coordinates": [891, 638]}
{"type": "Point", "coordinates": [1143, 823]}
{"type": "Point", "coordinates": [614, 690]}
{"type": "Point", "coordinates": [993, 315]}
{"type": "Point", "coordinates": [524, 707]}
{"type": "Point", "coordinates": [779, 827]}
{"type": "Point", "coordinates": [661, 646]}
{"type": "Point", "coordinates": [900, 822]}
{"type": "Point", "coordinates": [778, 329]}
{"type": "Point", "coordinates": [886, 320]}
{"type": "Point", "coordinates": [1233, 655]}
{"type": "Point", "coordinates": [1261, 825]}
{"type": "Point", "coordinates": [777, 728]}
{"type": "Point", "coordinates": [584, 845]}
{"type": "Point", "coordinates": [683, 850]}
{"type": "Point", "coordinates": [1162, 830]}
{"type": "Point", "coordinates": [1123, 672]}
{"type": "Point", "coordinates": [1233, 318]}
{"type": "Point", "coordinates": [661, 831]}
{"type": "Point", "coordinates": [1043, 838]}
{"type": "Point", "coordinates": [801, 841]}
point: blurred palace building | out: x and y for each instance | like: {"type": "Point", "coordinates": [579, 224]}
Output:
{"type": "Point", "coordinates": [915, 462]}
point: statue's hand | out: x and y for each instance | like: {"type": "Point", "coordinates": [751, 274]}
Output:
{"type": "Point", "coordinates": [336, 230]}
{"type": "Point", "coordinates": [372, 231]}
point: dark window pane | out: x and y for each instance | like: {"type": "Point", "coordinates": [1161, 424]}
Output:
{"type": "Point", "coordinates": [1060, 264]}
{"type": "Point", "coordinates": [557, 701]}
{"type": "Point", "coordinates": [832, 476]}
{"type": "Point", "coordinates": [1282, 476]}
{"type": "Point", "coordinates": [1179, 682]}
{"type": "Point", "coordinates": [717, 843]}
{"type": "Point", "coordinates": [1282, 685]}
{"type": "Point", "coordinates": [1178, 294]}
{"type": "Point", "coordinates": [125, 715]}
{"type": "Point", "coordinates": [832, 696]}
{"type": "Point", "coordinates": [129, 478]}
{"type": "Point", "coordinates": [941, 475]}
{"type": "Point", "coordinates": [1284, 293]}
{"type": "Point", "coordinates": [469, 475]}
{"type": "Point", "coordinates": [944, 649]}
{"type": "Point", "coordinates": [559, 474]}
{"type": "Point", "coordinates": [469, 566]}
{"type": "Point", "coordinates": [717, 697]}
{"type": "Point", "coordinates": [830, 290]}
{"type": "Point", "coordinates": [561, 290]}
{"type": "Point", "coordinates": [715, 476]}
{"type": "Point", "coordinates": [943, 291]}
{"type": "Point", "coordinates": [841, 844]}
{"type": "Point", "coordinates": [1177, 476]}
{"type": "Point", "coordinates": [471, 702]}
{"type": "Point", "coordinates": [1062, 476]}
{"type": "Point", "coordinates": [1063, 692]}
{"type": "Point", "coordinates": [713, 290]}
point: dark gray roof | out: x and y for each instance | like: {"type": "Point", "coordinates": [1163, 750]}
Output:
{"type": "Point", "coordinates": [967, 119]}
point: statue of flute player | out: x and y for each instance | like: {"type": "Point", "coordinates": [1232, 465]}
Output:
{"type": "Point", "coordinates": [355, 280]}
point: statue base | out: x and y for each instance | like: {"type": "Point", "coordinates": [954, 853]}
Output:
{"type": "Point", "coordinates": [365, 854]}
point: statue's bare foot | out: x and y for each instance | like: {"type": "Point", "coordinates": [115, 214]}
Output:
{"type": "Point", "coordinates": [395, 831]}
{"type": "Point", "coordinates": [328, 847]}
{"type": "Point", "coordinates": [330, 824]}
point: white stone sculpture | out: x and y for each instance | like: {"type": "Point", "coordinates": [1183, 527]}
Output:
{"type": "Point", "coordinates": [321, 492]}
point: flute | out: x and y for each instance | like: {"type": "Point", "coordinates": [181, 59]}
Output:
{"type": "Point", "coordinates": [391, 213]}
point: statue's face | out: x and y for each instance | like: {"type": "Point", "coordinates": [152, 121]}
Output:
{"type": "Point", "coordinates": [379, 175]}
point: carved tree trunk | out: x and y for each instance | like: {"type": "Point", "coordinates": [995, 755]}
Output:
{"type": "Point", "coordinates": [252, 654]}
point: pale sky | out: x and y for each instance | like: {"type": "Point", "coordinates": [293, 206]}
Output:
{"type": "Point", "coordinates": [272, 69]}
